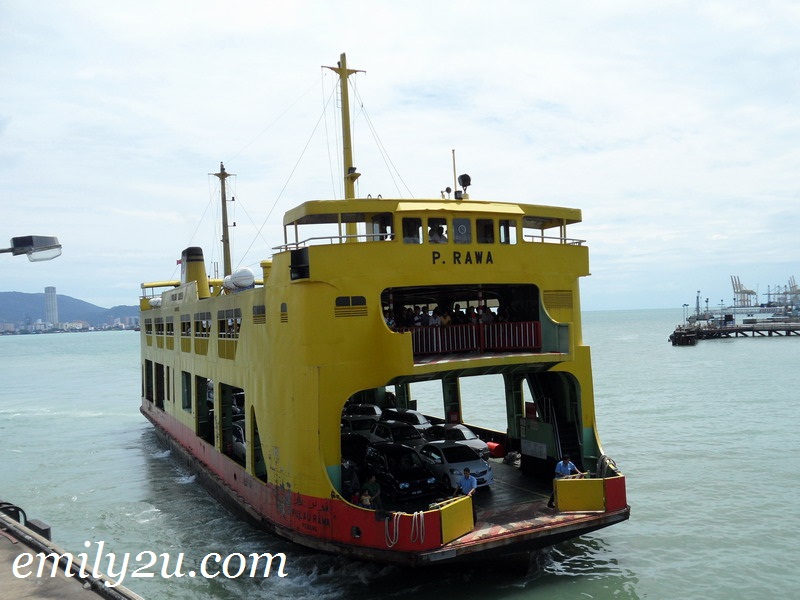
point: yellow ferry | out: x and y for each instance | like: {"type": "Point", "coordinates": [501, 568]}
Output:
{"type": "Point", "coordinates": [247, 377]}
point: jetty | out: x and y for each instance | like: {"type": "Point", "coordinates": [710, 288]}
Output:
{"type": "Point", "coordinates": [689, 335]}
{"type": "Point", "coordinates": [61, 575]}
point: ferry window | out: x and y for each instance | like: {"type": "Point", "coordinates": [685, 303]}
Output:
{"type": "Point", "coordinates": [437, 230]}
{"type": "Point", "coordinates": [148, 380]}
{"type": "Point", "coordinates": [382, 227]}
{"type": "Point", "coordinates": [170, 326]}
{"type": "Point", "coordinates": [148, 326]}
{"type": "Point", "coordinates": [462, 231]}
{"type": "Point", "coordinates": [485, 229]}
{"type": "Point", "coordinates": [159, 325]}
{"type": "Point", "coordinates": [508, 231]}
{"type": "Point", "coordinates": [284, 312]}
{"type": "Point", "coordinates": [259, 314]}
{"type": "Point", "coordinates": [202, 324]}
{"type": "Point", "coordinates": [186, 391]}
{"type": "Point", "coordinates": [186, 326]}
{"type": "Point", "coordinates": [412, 230]}
{"type": "Point", "coordinates": [229, 322]}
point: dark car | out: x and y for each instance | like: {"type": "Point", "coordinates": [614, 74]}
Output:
{"type": "Point", "coordinates": [412, 417]}
{"type": "Point", "coordinates": [368, 410]}
{"type": "Point", "coordinates": [354, 447]}
{"type": "Point", "coordinates": [357, 424]}
{"type": "Point", "coordinates": [395, 431]}
{"type": "Point", "coordinates": [238, 445]}
{"type": "Point", "coordinates": [400, 471]}
{"type": "Point", "coordinates": [354, 455]}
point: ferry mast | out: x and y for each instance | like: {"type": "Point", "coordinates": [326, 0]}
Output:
{"type": "Point", "coordinates": [226, 246]}
{"type": "Point", "coordinates": [350, 174]}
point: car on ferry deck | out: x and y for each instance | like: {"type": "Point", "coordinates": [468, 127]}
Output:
{"type": "Point", "coordinates": [400, 471]}
{"type": "Point", "coordinates": [456, 432]}
{"type": "Point", "coordinates": [448, 460]}
{"type": "Point", "coordinates": [412, 417]}
{"type": "Point", "coordinates": [395, 431]}
{"type": "Point", "coordinates": [360, 424]}
{"type": "Point", "coordinates": [369, 410]}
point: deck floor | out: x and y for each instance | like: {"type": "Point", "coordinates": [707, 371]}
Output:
{"type": "Point", "coordinates": [511, 495]}
{"type": "Point", "coordinates": [514, 506]}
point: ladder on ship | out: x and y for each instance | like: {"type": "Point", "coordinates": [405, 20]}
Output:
{"type": "Point", "coordinates": [565, 429]}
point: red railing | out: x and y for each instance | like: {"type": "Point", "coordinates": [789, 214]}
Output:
{"type": "Point", "coordinates": [481, 337]}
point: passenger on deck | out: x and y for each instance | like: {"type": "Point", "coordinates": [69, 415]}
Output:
{"type": "Point", "coordinates": [563, 469]}
{"type": "Point", "coordinates": [425, 317]}
{"type": "Point", "coordinates": [366, 500]}
{"type": "Point", "coordinates": [372, 489]}
{"type": "Point", "coordinates": [434, 236]}
{"type": "Point", "coordinates": [459, 318]}
{"type": "Point", "coordinates": [467, 485]}
{"type": "Point", "coordinates": [445, 318]}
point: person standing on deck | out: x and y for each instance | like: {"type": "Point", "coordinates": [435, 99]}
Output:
{"type": "Point", "coordinates": [564, 468]}
{"type": "Point", "coordinates": [467, 485]}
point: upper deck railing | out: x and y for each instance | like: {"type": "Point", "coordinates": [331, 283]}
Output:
{"type": "Point", "coordinates": [329, 240]}
{"type": "Point", "coordinates": [525, 336]}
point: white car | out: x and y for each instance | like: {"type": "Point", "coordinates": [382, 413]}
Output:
{"type": "Point", "coordinates": [448, 460]}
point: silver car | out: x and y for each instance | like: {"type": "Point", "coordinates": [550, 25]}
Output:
{"type": "Point", "coordinates": [461, 434]}
{"type": "Point", "coordinates": [448, 459]}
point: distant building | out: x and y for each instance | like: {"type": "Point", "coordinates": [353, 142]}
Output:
{"type": "Point", "coordinates": [51, 306]}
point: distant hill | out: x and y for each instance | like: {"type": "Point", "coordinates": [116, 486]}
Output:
{"type": "Point", "coordinates": [18, 307]}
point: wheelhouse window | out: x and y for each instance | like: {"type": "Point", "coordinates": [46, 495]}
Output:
{"type": "Point", "coordinates": [508, 231]}
{"type": "Point", "coordinates": [437, 230]}
{"type": "Point", "coordinates": [412, 230]}
{"type": "Point", "coordinates": [485, 229]}
{"type": "Point", "coordinates": [462, 231]}
{"type": "Point", "coordinates": [382, 227]}
{"type": "Point", "coordinates": [337, 228]}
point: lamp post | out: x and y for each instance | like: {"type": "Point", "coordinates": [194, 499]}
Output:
{"type": "Point", "coordinates": [37, 247]}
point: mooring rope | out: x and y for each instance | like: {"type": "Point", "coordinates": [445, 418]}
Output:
{"type": "Point", "coordinates": [391, 539]}
{"type": "Point", "coordinates": [418, 527]}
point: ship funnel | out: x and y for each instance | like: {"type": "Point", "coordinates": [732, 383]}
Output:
{"type": "Point", "coordinates": [193, 268]}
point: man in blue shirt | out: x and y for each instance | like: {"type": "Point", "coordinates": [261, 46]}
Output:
{"type": "Point", "coordinates": [467, 484]}
{"type": "Point", "coordinates": [563, 469]}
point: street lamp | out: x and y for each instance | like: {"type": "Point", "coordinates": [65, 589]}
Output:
{"type": "Point", "coordinates": [37, 247]}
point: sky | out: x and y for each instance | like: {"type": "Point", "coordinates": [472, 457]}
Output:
{"type": "Point", "coordinates": [673, 126]}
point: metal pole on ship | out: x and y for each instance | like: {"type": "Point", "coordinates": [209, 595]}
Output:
{"type": "Point", "coordinates": [226, 246]}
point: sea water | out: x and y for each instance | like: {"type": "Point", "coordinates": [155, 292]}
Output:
{"type": "Point", "coordinates": [706, 435]}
